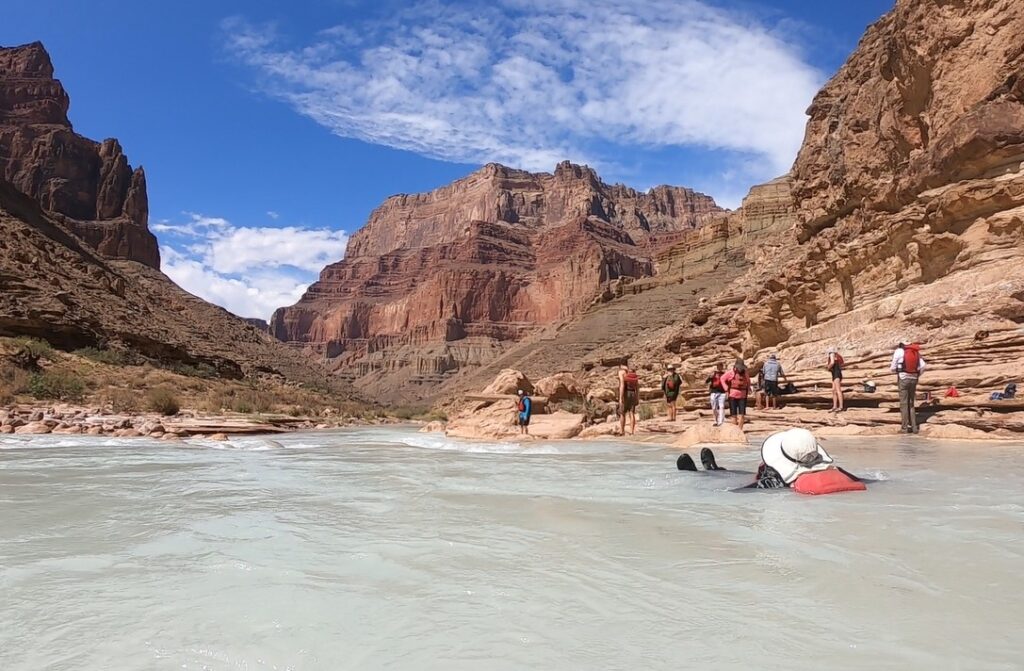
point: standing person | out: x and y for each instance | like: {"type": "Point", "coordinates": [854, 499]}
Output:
{"type": "Point", "coordinates": [737, 382]}
{"type": "Point", "coordinates": [525, 408]}
{"type": "Point", "coordinates": [760, 400]}
{"type": "Point", "coordinates": [671, 383]}
{"type": "Point", "coordinates": [629, 398]}
{"type": "Point", "coordinates": [770, 373]}
{"type": "Point", "coordinates": [908, 364]}
{"type": "Point", "coordinates": [717, 391]}
{"type": "Point", "coordinates": [835, 366]}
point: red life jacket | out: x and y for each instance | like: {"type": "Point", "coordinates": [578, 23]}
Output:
{"type": "Point", "coordinates": [828, 481]}
{"type": "Point", "coordinates": [716, 381]}
{"type": "Point", "coordinates": [838, 360]}
{"type": "Point", "coordinates": [672, 382]}
{"type": "Point", "coordinates": [740, 382]}
{"type": "Point", "coordinates": [632, 381]}
{"type": "Point", "coordinates": [522, 405]}
{"type": "Point", "coordinates": [911, 359]}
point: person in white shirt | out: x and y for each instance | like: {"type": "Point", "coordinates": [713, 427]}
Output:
{"type": "Point", "coordinates": [908, 364]}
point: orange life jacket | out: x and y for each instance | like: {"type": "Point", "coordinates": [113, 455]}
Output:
{"type": "Point", "coordinates": [632, 381]}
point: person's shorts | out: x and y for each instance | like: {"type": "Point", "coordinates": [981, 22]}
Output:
{"type": "Point", "coordinates": [629, 403]}
{"type": "Point", "coordinates": [771, 387]}
{"type": "Point", "coordinates": [524, 419]}
{"type": "Point", "coordinates": [671, 398]}
{"type": "Point", "coordinates": [837, 373]}
{"type": "Point", "coordinates": [737, 406]}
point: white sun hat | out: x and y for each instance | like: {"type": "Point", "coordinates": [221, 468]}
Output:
{"type": "Point", "coordinates": [794, 452]}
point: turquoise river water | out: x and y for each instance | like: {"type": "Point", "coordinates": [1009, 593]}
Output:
{"type": "Point", "coordinates": [388, 549]}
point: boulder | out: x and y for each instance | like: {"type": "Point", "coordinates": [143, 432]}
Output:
{"type": "Point", "coordinates": [953, 432]}
{"type": "Point", "coordinates": [497, 421]}
{"type": "Point", "coordinates": [167, 436]}
{"type": "Point", "coordinates": [509, 381]}
{"type": "Point", "coordinates": [433, 427]}
{"type": "Point", "coordinates": [219, 437]}
{"type": "Point", "coordinates": [707, 434]}
{"type": "Point", "coordinates": [560, 387]}
{"type": "Point", "coordinates": [95, 431]}
{"type": "Point", "coordinates": [6, 428]}
{"type": "Point", "coordinates": [71, 430]}
{"type": "Point", "coordinates": [34, 428]}
{"type": "Point", "coordinates": [603, 394]}
{"type": "Point", "coordinates": [127, 433]}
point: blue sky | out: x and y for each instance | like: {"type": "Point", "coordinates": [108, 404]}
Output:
{"type": "Point", "coordinates": [268, 130]}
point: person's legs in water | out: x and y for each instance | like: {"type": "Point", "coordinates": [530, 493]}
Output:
{"type": "Point", "coordinates": [685, 463]}
{"type": "Point", "coordinates": [707, 459]}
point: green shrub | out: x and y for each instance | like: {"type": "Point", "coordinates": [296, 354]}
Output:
{"type": "Point", "coordinates": [13, 381]}
{"type": "Point", "coordinates": [645, 411]}
{"type": "Point", "coordinates": [201, 370]}
{"type": "Point", "coordinates": [121, 400]}
{"type": "Point", "coordinates": [34, 348]}
{"type": "Point", "coordinates": [56, 384]}
{"type": "Point", "coordinates": [163, 400]}
{"type": "Point", "coordinates": [111, 357]}
{"type": "Point", "coordinates": [248, 401]}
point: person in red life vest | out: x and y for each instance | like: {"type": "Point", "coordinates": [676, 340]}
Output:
{"type": "Point", "coordinates": [908, 364]}
{"type": "Point", "coordinates": [524, 409]}
{"type": "Point", "coordinates": [629, 398]}
{"type": "Point", "coordinates": [717, 392]}
{"type": "Point", "coordinates": [671, 383]}
{"type": "Point", "coordinates": [835, 367]}
{"type": "Point", "coordinates": [737, 384]}
{"type": "Point", "coordinates": [795, 459]}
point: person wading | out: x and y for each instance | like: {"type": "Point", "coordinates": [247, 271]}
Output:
{"type": "Point", "coordinates": [770, 373]}
{"type": "Point", "coordinates": [737, 382]}
{"type": "Point", "coordinates": [835, 366]}
{"type": "Point", "coordinates": [908, 364]}
{"type": "Point", "coordinates": [524, 408]}
{"type": "Point", "coordinates": [629, 398]}
{"type": "Point", "coordinates": [717, 393]}
{"type": "Point", "coordinates": [671, 383]}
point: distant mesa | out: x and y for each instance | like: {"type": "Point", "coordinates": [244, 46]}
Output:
{"type": "Point", "coordinates": [438, 281]}
{"type": "Point", "coordinates": [87, 185]}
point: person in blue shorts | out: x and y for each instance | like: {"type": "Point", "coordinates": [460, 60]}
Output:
{"type": "Point", "coordinates": [525, 409]}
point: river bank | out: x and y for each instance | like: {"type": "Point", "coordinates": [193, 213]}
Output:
{"type": "Point", "coordinates": [65, 419]}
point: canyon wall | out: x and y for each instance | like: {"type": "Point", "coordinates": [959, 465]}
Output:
{"type": "Point", "coordinates": [440, 281]}
{"type": "Point", "coordinates": [88, 185]}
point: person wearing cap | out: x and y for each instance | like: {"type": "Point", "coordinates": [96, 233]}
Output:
{"type": "Point", "coordinates": [771, 372]}
{"type": "Point", "coordinates": [835, 367]}
{"type": "Point", "coordinates": [787, 455]}
{"type": "Point", "coordinates": [908, 364]}
{"type": "Point", "coordinates": [671, 383]}
{"type": "Point", "coordinates": [524, 409]}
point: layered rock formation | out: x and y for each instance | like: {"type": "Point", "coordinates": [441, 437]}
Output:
{"type": "Point", "coordinates": [904, 220]}
{"type": "Point", "coordinates": [438, 281]}
{"type": "Point", "coordinates": [56, 287]}
{"type": "Point", "coordinates": [89, 186]}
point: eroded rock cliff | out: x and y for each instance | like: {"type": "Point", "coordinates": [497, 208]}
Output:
{"type": "Point", "coordinates": [439, 281]}
{"type": "Point", "coordinates": [903, 218]}
{"type": "Point", "coordinates": [88, 185]}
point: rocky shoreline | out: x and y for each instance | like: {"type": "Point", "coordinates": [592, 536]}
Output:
{"type": "Point", "coordinates": [95, 421]}
{"type": "Point", "coordinates": [568, 407]}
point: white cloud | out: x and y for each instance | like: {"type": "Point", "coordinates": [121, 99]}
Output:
{"type": "Point", "coordinates": [251, 271]}
{"type": "Point", "coordinates": [273, 215]}
{"type": "Point", "coordinates": [530, 83]}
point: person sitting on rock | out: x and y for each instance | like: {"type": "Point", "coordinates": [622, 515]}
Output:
{"type": "Point", "coordinates": [717, 392]}
{"type": "Point", "coordinates": [524, 408]}
{"type": "Point", "coordinates": [835, 367]}
{"type": "Point", "coordinates": [671, 383]}
{"type": "Point", "coordinates": [737, 382]}
{"type": "Point", "coordinates": [629, 398]}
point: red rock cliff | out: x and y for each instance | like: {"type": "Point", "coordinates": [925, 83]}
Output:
{"type": "Point", "coordinates": [90, 185]}
{"type": "Point", "coordinates": [440, 280]}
